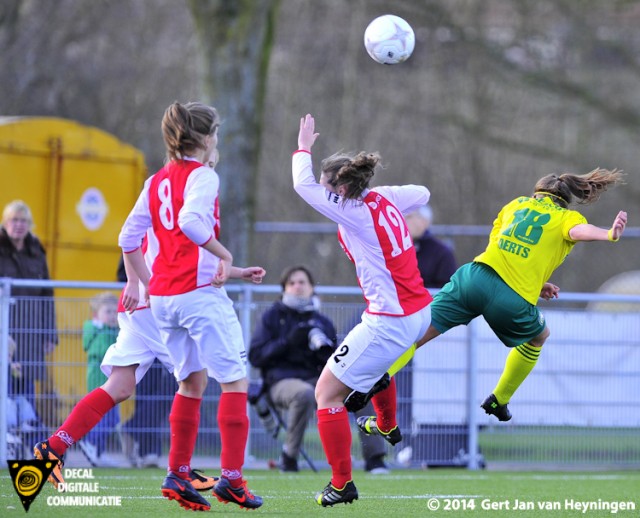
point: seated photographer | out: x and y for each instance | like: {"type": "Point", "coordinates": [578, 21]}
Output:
{"type": "Point", "coordinates": [290, 345]}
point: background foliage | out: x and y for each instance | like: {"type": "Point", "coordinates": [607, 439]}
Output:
{"type": "Point", "coordinates": [497, 94]}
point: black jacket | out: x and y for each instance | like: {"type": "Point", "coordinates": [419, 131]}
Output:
{"type": "Point", "coordinates": [280, 344]}
{"type": "Point", "coordinates": [32, 316]}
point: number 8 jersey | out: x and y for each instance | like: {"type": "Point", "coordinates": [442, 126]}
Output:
{"type": "Point", "coordinates": [374, 235]}
{"type": "Point", "coordinates": [180, 203]}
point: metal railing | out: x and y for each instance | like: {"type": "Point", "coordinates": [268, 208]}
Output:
{"type": "Point", "coordinates": [441, 397]}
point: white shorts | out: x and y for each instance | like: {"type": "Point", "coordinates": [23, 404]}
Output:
{"type": "Point", "coordinates": [201, 330]}
{"type": "Point", "coordinates": [138, 342]}
{"type": "Point", "coordinates": [372, 346]}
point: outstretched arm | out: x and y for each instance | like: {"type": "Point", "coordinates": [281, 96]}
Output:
{"type": "Point", "coordinates": [253, 274]}
{"type": "Point", "coordinates": [588, 232]}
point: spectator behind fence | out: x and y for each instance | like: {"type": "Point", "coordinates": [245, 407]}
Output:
{"type": "Point", "coordinates": [32, 317]}
{"type": "Point", "coordinates": [436, 261]}
{"type": "Point", "coordinates": [97, 336]}
{"type": "Point", "coordinates": [290, 346]}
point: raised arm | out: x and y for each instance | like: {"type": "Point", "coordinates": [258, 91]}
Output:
{"type": "Point", "coordinates": [588, 232]}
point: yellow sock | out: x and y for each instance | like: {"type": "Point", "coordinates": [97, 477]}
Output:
{"type": "Point", "coordinates": [520, 361]}
{"type": "Point", "coordinates": [404, 358]}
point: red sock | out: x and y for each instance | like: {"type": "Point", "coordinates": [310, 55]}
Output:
{"type": "Point", "coordinates": [234, 430]}
{"type": "Point", "coordinates": [85, 415]}
{"type": "Point", "coordinates": [384, 404]}
{"type": "Point", "coordinates": [184, 420]}
{"type": "Point", "coordinates": [335, 434]}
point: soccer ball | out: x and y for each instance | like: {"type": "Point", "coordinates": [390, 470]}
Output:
{"type": "Point", "coordinates": [389, 39]}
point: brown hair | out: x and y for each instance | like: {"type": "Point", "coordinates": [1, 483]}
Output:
{"type": "Point", "coordinates": [286, 275]}
{"type": "Point", "coordinates": [352, 172]}
{"type": "Point", "coordinates": [586, 187]}
{"type": "Point", "coordinates": [185, 126]}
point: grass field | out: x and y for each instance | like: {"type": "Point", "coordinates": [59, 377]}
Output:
{"type": "Point", "coordinates": [401, 494]}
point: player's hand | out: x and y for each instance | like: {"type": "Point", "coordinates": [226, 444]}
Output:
{"type": "Point", "coordinates": [224, 270]}
{"type": "Point", "coordinates": [549, 291]}
{"type": "Point", "coordinates": [254, 274]}
{"type": "Point", "coordinates": [130, 296]}
{"type": "Point", "coordinates": [619, 225]}
{"type": "Point", "coordinates": [307, 135]}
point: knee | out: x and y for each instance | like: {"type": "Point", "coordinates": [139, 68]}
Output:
{"type": "Point", "coordinates": [120, 386]}
{"type": "Point", "coordinates": [539, 340]}
{"type": "Point", "coordinates": [194, 385]}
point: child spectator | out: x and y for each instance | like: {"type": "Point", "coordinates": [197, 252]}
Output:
{"type": "Point", "coordinates": [97, 335]}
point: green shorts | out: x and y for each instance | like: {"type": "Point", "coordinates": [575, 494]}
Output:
{"type": "Point", "coordinates": [476, 289]}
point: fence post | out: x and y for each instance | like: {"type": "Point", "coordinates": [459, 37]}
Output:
{"type": "Point", "coordinates": [244, 312]}
{"type": "Point", "coordinates": [472, 378]}
{"type": "Point", "coordinates": [5, 300]}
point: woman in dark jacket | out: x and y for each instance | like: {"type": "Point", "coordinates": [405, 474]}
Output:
{"type": "Point", "coordinates": [32, 315]}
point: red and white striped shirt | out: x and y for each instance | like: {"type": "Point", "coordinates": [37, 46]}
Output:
{"type": "Point", "coordinates": [374, 234]}
{"type": "Point", "coordinates": [180, 203]}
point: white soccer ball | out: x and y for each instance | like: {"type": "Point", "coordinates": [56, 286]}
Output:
{"type": "Point", "coordinates": [389, 39]}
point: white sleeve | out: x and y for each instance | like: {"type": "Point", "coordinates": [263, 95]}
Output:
{"type": "Point", "coordinates": [350, 214]}
{"type": "Point", "coordinates": [406, 197]}
{"type": "Point", "coordinates": [196, 215]}
{"type": "Point", "coordinates": [137, 222]}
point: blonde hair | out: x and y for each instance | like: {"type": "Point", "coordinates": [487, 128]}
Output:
{"type": "Point", "coordinates": [106, 298]}
{"type": "Point", "coordinates": [15, 207]}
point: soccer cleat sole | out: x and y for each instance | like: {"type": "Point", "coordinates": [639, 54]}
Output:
{"type": "Point", "coordinates": [369, 426]}
{"type": "Point", "coordinates": [53, 480]}
{"type": "Point", "coordinates": [334, 497]}
{"type": "Point", "coordinates": [170, 494]}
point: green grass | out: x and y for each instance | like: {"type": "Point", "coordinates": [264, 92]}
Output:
{"type": "Point", "coordinates": [607, 446]}
{"type": "Point", "coordinates": [403, 493]}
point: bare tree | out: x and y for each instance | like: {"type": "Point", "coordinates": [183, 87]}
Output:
{"type": "Point", "coordinates": [234, 37]}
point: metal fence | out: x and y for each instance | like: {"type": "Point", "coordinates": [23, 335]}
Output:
{"type": "Point", "coordinates": [579, 407]}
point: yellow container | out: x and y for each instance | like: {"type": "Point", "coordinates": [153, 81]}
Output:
{"type": "Point", "coordinates": [80, 183]}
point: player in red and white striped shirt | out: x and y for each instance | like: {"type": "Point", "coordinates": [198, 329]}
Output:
{"type": "Point", "coordinates": [374, 234]}
{"type": "Point", "coordinates": [125, 364]}
{"type": "Point", "coordinates": [195, 316]}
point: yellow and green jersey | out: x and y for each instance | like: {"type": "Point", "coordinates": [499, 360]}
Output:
{"type": "Point", "coordinates": [529, 240]}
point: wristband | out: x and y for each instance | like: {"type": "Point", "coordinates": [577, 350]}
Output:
{"type": "Point", "coordinates": [610, 236]}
